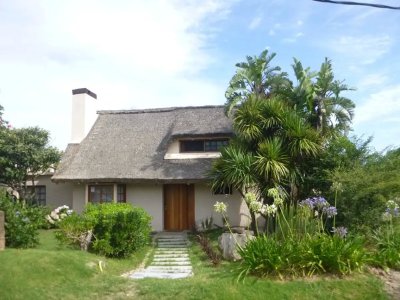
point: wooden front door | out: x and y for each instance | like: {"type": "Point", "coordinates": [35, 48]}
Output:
{"type": "Point", "coordinates": [178, 207]}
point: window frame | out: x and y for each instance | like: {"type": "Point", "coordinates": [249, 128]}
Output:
{"type": "Point", "coordinates": [118, 190]}
{"type": "Point", "coordinates": [223, 141]}
{"type": "Point", "coordinates": [121, 195]}
{"type": "Point", "coordinates": [38, 191]}
{"type": "Point", "coordinates": [90, 186]}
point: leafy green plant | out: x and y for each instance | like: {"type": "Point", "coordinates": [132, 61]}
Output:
{"type": "Point", "coordinates": [323, 253]}
{"type": "Point", "coordinates": [387, 239]}
{"type": "Point", "coordinates": [22, 222]}
{"type": "Point", "coordinates": [75, 230]}
{"type": "Point", "coordinates": [119, 229]}
{"type": "Point", "coordinates": [208, 249]}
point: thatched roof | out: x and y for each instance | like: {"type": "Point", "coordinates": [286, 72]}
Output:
{"type": "Point", "coordinates": [130, 145]}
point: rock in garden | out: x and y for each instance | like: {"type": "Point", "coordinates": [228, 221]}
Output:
{"type": "Point", "coordinates": [228, 243]}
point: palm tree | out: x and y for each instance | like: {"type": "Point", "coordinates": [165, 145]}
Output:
{"type": "Point", "coordinates": [255, 76]}
{"type": "Point", "coordinates": [271, 141]}
{"type": "Point", "coordinates": [318, 96]}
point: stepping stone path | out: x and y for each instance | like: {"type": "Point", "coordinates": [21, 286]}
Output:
{"type": "Point", "coordinates": [171, 258]}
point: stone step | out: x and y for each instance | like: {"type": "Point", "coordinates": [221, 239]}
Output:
{"type": "Point", "coordinates": [171, 263]}
{"type": "Point", "coordinates": [171, 269]}
{"type": "Point", "coordinates": [160, 275]}
{"type": "Point", "coordinates": [169, 258]}
{"type": "Point", "coordinates": [177, 247]}
{"type": "Point", "coordinates": [173, 254]}
{"type": "Point", "coordinates": [168, 248]}
{"type": "Point", "coordinates": [177, 255]}
{"type": "Point", "coordinates": [171, 239]}
{"type": "Point", "coordinates": [172, 245]}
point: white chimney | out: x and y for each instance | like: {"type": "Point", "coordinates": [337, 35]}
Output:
{"type": "Point", "coordinates": [83, 113]}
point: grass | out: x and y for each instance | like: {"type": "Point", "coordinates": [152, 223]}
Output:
{"type": "Point", "coordinates": [53, 272]}
{"type": "Point", "coordinates": [220, 283]}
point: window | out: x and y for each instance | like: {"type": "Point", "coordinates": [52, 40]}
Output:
{"type": "Point", "coordinates": [39, 194]}
{"type": "Point", "coordinates": [226, 190]}
{"type": "Point", "coordinates": [105, 193]}
{"type": "Point", "coordinates": [121, 193]}
{"type": "Point", "coordinates": [101, 193]}
{"type": "Point", "coordinates": [209, 145]}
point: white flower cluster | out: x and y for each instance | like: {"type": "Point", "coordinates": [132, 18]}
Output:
{"type": "Point", "coordinates": [220, 207]}
{"type": "Point", "coordinates": [58, 214]}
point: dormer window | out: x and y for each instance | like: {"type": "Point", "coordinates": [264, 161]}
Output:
{"type": "Point", "coordinates": [203, 145]}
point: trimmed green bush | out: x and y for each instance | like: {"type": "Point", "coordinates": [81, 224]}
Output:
{"type": "Point", "coordinates": [22, 222]}
{"type": "Point", "coordinates": [119, 229]}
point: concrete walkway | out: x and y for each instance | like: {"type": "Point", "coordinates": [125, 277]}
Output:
{"type": "Point", "coordinates": [171, 258]}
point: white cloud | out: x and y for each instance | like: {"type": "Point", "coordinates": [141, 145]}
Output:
{"type": "Point", "coordinates": [364, 49]}
{"type": "Point", "coordinates": [372, 80]}
{"type": "Point", "coordinates": [255, 23]}
{"type": "Point", "coordinates": [131, 53]}
{"type": "Point", "coordinates": [380, 107]}
{"type": "Point", "coordinates": [293, 39]}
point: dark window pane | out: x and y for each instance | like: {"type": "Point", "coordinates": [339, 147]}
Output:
{"type": "Point", "coordinates": [214, 145]}
{"type": "Point", "coordinates": [121, 193]}
{"type": "Point", "coordinates": [227, 190]}
{"type": "Point", "coordinates": [192, 146]}
{"type": "Point", "coordinates": [37, 194]}
{"type": "Point", "coordinates": [101, 193]}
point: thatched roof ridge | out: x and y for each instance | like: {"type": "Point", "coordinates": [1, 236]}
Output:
{"type": "Point", "coordinates": [130, 145]}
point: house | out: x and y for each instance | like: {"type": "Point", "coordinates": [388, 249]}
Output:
{"type": "Point", "coordinates": [154, 158]}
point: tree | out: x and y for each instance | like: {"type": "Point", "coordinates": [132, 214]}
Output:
{"type": "Point", "coordinates": [319, 97]}
{"type": "Point", "coordinates": [271, 142]}
{"type": "Point", "coordinates": [24, 154]}
{"type": "Point", "coordinates": [257, 77]}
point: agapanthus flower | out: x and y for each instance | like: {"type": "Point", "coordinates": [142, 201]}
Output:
{"type": "Point", "coordinates": [340, 231]}
{"type": "Point", "coordinates": [271, 209]}
{"type": "Point", "coordinates": [255, 206]}
{"type": "Point", "coordinates": [220, 207]}
{"type": "Point", "coordinates": [278, 201]}
{"type": "Point", "coordinates": [320, 202]}
{"type": "Point", "coordinates": [386, 216]}
{"type": "Point", "coordinates": [250, 197]}
{"type": "Point", "coordinates": [330, 211]}
{"type": "Point", "coordinates": [307, 203]}
{"type": "Point", "coordinates": [392, 204]}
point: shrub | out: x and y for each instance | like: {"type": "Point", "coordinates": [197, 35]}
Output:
{"type": "Point", "coordinates": [22, 222]}
{"type": "Point", "coordinates": [387, 238]}
{"type": "Point", "coordinates": [118, 229]}
{"type": "Point", "coordinates": [56, 215]}
{"type": "Point", "coordinates": [75, 230]}
{"type": "Point", "coordinates": [321, 253]}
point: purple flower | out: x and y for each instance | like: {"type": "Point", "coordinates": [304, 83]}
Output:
{"type": "Point", "coordinates": [307, 203]}
{"type": "Point", "coordinates": [320, 202]}
{"type": "Point", "coordinates": [340, 231]}
{"type": "Point", "coordinates": [330, 211]}
{"type": "Point", "coordinates": [396, 212]}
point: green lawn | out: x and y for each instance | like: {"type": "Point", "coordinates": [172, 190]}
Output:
{"type": "Point", "coordinates": [51, 272]}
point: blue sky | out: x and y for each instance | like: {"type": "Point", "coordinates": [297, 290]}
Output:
{"type": "Point", "coordinates": [145, 54]}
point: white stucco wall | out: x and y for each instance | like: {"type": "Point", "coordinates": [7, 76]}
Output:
{"type": "Point", "coordinates": [149, 197]}
{"type": "Point", "coordinates": [238, 213]}
{"type": "Point", "coordinates": [57, 194]}
{"type": "Point", "coordinates": [79, 194]}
